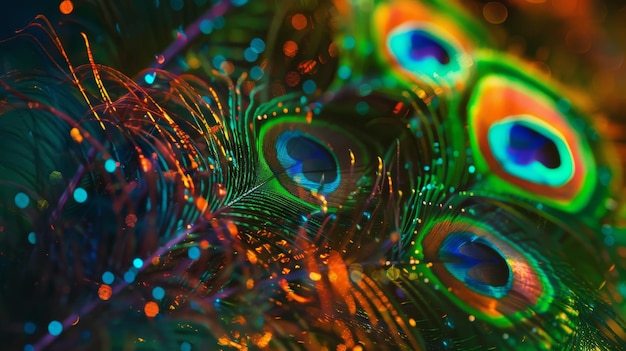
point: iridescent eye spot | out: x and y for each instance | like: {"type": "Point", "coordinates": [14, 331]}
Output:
{"type": "Point", "coordinates": [308, 162]}
{"type": "Point", "coordinates": [420, 49]}
{"type": "Point", "coordinates": [483, 271]}
{"type": "Point", "coordinates": [313, 161]}
{"type": "Point", "coordinates": [531, 150]}
{"type": "Point", "coordinates": [424, 46]}
{"type": "Point", "coordinates": [477, 263]}
{"type": "Point", "coordinates": [526, 144]}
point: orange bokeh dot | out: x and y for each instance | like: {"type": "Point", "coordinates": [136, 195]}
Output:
{"type": "Point", "coordinates": [228, 67]}
{"type": "Point", "coordinates": [332, 49]}
{"type": "Point", "coordinates": [495, 12]}
{"type": "Point", "coordinates": [290, 48]}
{"type": "Point", "coordinates": [292, 78]}
{"type": "Point", "coordinates": [298, 21]}
{"type": "Point", "coordinates": [131, 220]}
{"type": "Point", "coordinates": [105, 292]}
{"type": "Point", "coordinates": [204, 244]}
{"type": "Point", "coordinates": [151, 309]}
{"type": "Point", "coordinates": [201, 203]}
{"type": "Point", "coordinates": [66, 7]}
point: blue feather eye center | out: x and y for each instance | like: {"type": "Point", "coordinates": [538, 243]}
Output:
{"type": "Point", "coordinates": [476, 262]}
{"type": "Point", "coordinates": [531, 150]}
{"type": "Point", "coordinates": [308, 162]}
{"type": "Point", "coordinates": [424, 46]}
{"type": "Point", "coordinates": [422, 49]}
{"type": "Point", "coordinates": [526, 145]}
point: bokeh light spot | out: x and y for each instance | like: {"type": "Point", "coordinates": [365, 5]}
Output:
{"type": "Point", "coordinates": [193, 253]}
{"type": "Point", "coordinates": [309, 86]}
{"type": "Point", "coordinates": [30, 328]}
{"type": "Point", "coordinates": [299, 21]}
{"type": "Point", "coordinates": [129, 277]}
{"type": "Point", "coordinates": [108, 277]}
{"type": "Point", "coordinates": [158, 293]}
{"type": "Point", "coordinates": [258, 45]}
{"type": "Point", "coordinates": [66, 7]}
{"type": "Point", "coordinates": [151, 309]}
{"type": "Point", "coordinates": [55, 328]}
{"type": "Point", "coordinates": [80, 195]}
{"type": "Point", "coordinates": [495, 12]}
{"type": "Point", "coordinates": [32, 238]}
{"type": "Point", "coordinates": [76, 135]}
{"type": "Point", "coordinates": [137, 262]}
{"type": "Point", "coordinates": [21, 200]}
{"type": "Point", "coordinates": [290, 48]}
{"type": "Point", "coordinates": [185, 346]}
{"type": "Point", "coordinates": [105, 292]}
{"type": "Point", "coordinates": [292, 78]}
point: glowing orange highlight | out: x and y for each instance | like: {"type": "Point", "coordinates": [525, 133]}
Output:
{"type": "Point", "coordinates": [151, 309]}
{"type": "Point", "coordinates": [145, 164]}
{"type": "Point", "coordinates": [290, 48]}
{"type": "Point", "coordinates": [76, 135]}
{"type": "Point", "coordinates": [314, 276]}
{"type": "Point", "coordinates": [232, 228]}
{"type": "Point", "coordinates": [204, 244]}
{"type": "Point", "coordinates": [291, 295]}
{"type": "Point", "coordinates": [66, 7]}
{"type": "Point", "coordinates": [201, 203]}
{"type": "Point", "coordinates": [307, 66]}
{"type": "Point", "coordinates": [131, 220]}
{"type": "Point", "coordinates": [251, 256]}
{"type": "Point", "coordinates": [299, 21]}
{"type": "Point", "coordinates": [105, 292]}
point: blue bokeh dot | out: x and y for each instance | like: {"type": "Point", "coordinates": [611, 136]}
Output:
{"type": "Point", "coordinates": [29, 328]}
{"type": "Point", "coordinates": [206, 26]}
{"type": "Point", "coordinates": [250, 55]}
{"type": "Point", "coordinates": [110, 165]}
{"type": "Point", "coordinates": [344, 72]}
{"type": "Point", "coordinates": [256, 72]}
{"type": "Point", "coordinates": [150, 77]}
{"type": "Point", "coordinates": [55, 328]}
{"type": "Point", "coordinates": [309, 86]}
{"type": "Point", "coordinates": [138, 262]}
{"type": "Point", "coordinates": [80, 195]}
{"type": "Point", "coordinates": [258, 45]}
{"type": "Point", "coordinates": [185, 346]}
{"type": "Point", "coordinates": [108, 278]}
{"type": "Point", "coordinates": [21, 200]}
{"type": "Point", "coordinates": [158, 293]}
{"type": "Point", "coordinates": [129, 277]}
{"type": "Point", "coordinates": [194, 253]}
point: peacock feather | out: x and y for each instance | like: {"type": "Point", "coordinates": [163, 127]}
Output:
{"type": "Point", "coordinates": [319, 175]}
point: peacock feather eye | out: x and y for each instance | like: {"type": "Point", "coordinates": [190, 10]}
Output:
{"type": "Point", "coordinates": [477, 262]}
{"type": "Point", "coordinates": [526, 138]}
{"type": "Point", "coordinates": [316, 162]}
{"type": "Point", "coordinates": [307, 161]}
{"type": "Point", "coordinates": [484, 272]}
{"type": "Point", "coordinates": [426, 41]}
